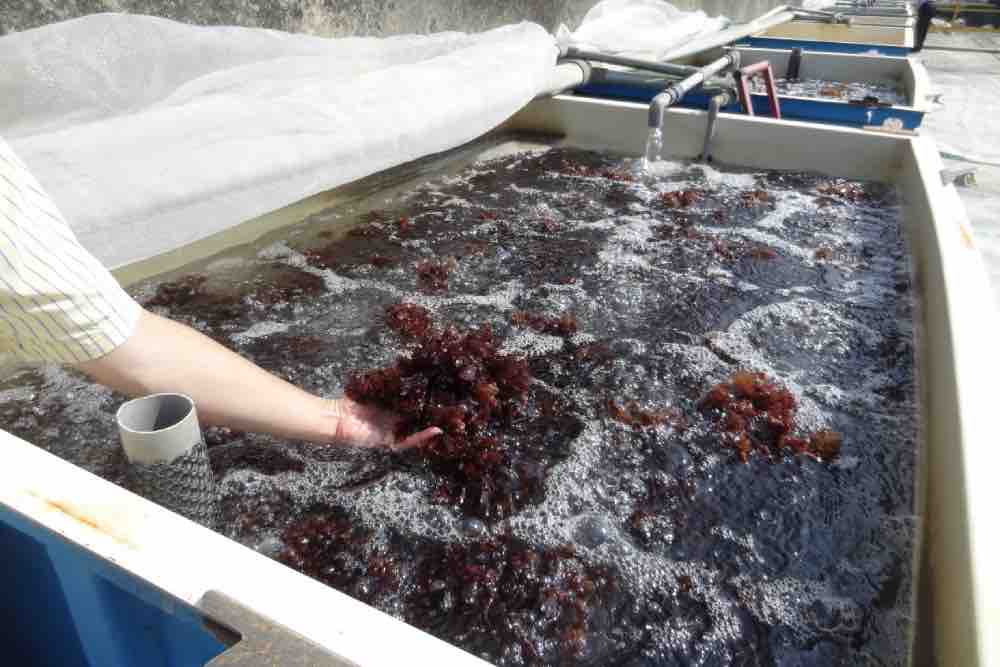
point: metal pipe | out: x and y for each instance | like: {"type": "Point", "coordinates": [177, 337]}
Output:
{"type": "Point", "coordinates": [717, 102]}
{"type": "Point", "coordinates": [676, 92]}
{"type": "Point", "coordinates": [820, 15]}
{"type": "Point", "coordinates": [794, 69]}
{"type": "Point", "coordinates": [635, 63]}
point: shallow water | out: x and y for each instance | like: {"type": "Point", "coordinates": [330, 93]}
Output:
{"type": "Point", "coordinates": [839, 91]}
{"type": "Point", "coordinates": [600, 541]}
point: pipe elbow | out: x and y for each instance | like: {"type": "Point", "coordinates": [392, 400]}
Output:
{"type": "Point", "coordinates": [657, 107]}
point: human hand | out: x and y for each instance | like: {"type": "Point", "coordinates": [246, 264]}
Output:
{"type": "Point", "coordinates": [368, 426]}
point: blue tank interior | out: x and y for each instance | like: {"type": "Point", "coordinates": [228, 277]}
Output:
{"type": "Point", "coordinates": [67, 607]}
{"type": "Point", "coordinates": [825, 47]}
{"type": "Point", "coordinates": [792, 108]}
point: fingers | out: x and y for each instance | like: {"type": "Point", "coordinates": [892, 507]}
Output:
{"type": "Point", "coordinates": [417, 439]}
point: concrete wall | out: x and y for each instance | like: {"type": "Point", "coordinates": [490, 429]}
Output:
{"type": "Point", "coordinates": [344, 17]}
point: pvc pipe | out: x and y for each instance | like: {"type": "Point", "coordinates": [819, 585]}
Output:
{"type": "Point", "coordinates": [158, 428]}
{"type": "Point", "coordinates": [714, 104]}
{"type": "Point", "coordinates": [168, 460]}
{"type": "Point", "coordinates": [676, 92]}
{"type": "Point", "coordinates": [635, 63]}
{"type": "Point", "coordinates": [566, 75]}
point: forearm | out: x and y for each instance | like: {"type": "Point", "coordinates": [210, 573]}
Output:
{"type": "Point", "coordinates": [164, 356]}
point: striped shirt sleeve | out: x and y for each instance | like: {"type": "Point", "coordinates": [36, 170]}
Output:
{"type": "Point", "coordinates": [57, 301]}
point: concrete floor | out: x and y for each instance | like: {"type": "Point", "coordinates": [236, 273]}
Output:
{"type": "Point", "coordinates": [967, 129]}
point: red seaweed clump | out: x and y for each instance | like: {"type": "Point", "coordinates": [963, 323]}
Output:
{"type": "Point", "coordinates": [631, 414]}
{"type": "Point", "coordinates": [844, 190]}
{"type": "Point", "coordinates": [191, 293]}
{"type": "Point", "coordinates": [460, 383]}
{"type": "Point", "coordinates": [268, 459]}
{"type": "Point", "coordinates": [433, 276]}
{"type": "Point", "coordinates": [755, 413]}
{"type": "Point", "coordinates": [585, 171]}
{"type": "Point", "coordinates": [286, 283]}
{"type": "Point", "coordinates": [336, 550]}
{"type": "Point", "coordinates": [220, 435]}
{"type": "Point", "coordinates": [538, 607]}
{"type": "Point", "coordinates": [752, 198]}
{"type": "Point", "coordinates": [681, 198]}
{"type": "Point", "coordinates": [408, 320]}
{"type": "Point", "coordinates": [564, 325]}
{"type": "Point", "coordinates": [734, 250]}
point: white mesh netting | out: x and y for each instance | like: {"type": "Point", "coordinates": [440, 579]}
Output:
{"type": "Point", "coordinates": [645, 28]}
{"type": "Point", "coordinates": [151, 134]}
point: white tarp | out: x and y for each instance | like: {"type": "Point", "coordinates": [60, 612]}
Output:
{"type": "Point", "coordinates": [151, 134]}
{"type": "Point", "coordinates": [639, 28]}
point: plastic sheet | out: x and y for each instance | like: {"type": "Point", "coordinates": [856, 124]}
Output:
{"type": "Point", "coordinates": [644, 28]}
{"type": "Point", "coordinates": [151, 134]}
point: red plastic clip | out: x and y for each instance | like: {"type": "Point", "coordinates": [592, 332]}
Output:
{"type": "Point", "coordinates": [763, 68]}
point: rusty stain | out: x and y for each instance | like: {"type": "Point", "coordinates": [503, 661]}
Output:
{"type": "Point", "coordinates": [79, 518]}
{"type": "Point", "coordinates": [966, 237]}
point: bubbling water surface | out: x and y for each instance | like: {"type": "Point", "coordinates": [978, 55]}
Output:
{"type": "Point", "coordinates": [624, 522]}
{"type": "Point", "coordinates": [841, 91]}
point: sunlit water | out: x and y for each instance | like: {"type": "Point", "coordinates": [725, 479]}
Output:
{"type": "Point", "coordinates": [636, 545]}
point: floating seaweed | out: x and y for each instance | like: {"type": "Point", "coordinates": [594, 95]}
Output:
{"type": "Point", "coordinates": [681, 198]}
{"type": "Point", "coordinates": [553, 597]}
{"type": "Point", "coordinates": [333, 548]}
{"type": "Point", "coordinates": [409, 320]}
{"type": "Point", "coordinates": [564, 325]}
{"type": "Point", "coordinates": [752, 198]}
{"type": "Point", "coordinates": [631, 414]}
{"type": "Point", "coordinates": [843, 190]}
{"type": "Point", "coordinates": [380, 261]}
{"type": "Point", "coordinates": [433, 276]}
{"type": "Point", "coordinates": [755, 413]}
{"type": "Point", "coordinates": [284, 284]}
{"type": "Point", "coordinates": [460, 383]}
{"type": "Point", "coordinates": [586, 171]}
{"type": "Point", "coordinates": [220, 435]}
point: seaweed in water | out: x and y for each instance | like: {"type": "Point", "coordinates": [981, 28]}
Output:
{"type": "Point", "coordinates": [564, 325]}
{"type": "Point", "coordinates": [433, 276]}
{"type": "Point", "coordinates": [460, 383]}
{"type": "Point", "coordinates": [844, 190]}
{"type": "Point", "coordinates": [408, 320]}
{"type": "Point", "coordinates": [190, 293]}
{"type": "Point", "coordinates": [335, 549]}
{"type": "Point", "coordinates": [509, 598]}
{"type": "Point", "coordinates": [755, 413]}
{"type": "Point", "coordinates": [633, 415]}
{"type": "Point", "coordinates": [283, 284]}
{"type": "Point", "coordinates": [681, 198]}
{"type": "Point", "coordinates": [752, 198]}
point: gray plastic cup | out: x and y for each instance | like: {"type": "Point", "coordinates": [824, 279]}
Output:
{"type": "Point", "coordinates": [168, 459]}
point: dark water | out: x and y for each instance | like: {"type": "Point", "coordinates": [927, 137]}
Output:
{"type": "Point", "coordinates": [619, 524]}
{"type": "Point", "coordinates": [839, 91]}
